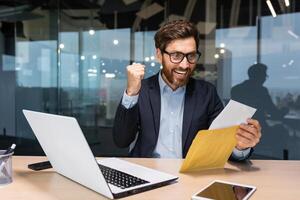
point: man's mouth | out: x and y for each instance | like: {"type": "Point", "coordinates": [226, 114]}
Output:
{"type": "Point", "coordinates": [181, 72]}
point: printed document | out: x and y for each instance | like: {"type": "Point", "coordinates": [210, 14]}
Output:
{"type": "Point", "coordinates": [233, 114]}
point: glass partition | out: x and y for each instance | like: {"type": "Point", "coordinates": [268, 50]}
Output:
{"type": "Point", "coordinates": [70, 57]}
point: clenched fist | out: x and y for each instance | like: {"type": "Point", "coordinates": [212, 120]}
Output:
{"type": "Point", "coordinates": [135, 74]}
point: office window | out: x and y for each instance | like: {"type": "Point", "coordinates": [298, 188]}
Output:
{"type": "Point", "coordinates": [70, 57]}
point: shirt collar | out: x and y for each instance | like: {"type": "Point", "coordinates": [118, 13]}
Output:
{"type": "Point", "coordinates": [164, 86]}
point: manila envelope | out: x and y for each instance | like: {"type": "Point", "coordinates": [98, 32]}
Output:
{"type": "Point", "coordinates": [210, 149]}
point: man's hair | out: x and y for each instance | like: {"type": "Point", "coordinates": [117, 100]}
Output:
{"type": "Point", "coordinates": [178, 29]}
{"type": "Point", "coordinates": [257, 70]}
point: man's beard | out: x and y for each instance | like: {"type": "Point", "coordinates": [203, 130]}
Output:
{"type": "Point", "coordinates": [169, 75]}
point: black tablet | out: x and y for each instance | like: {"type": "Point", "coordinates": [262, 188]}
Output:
{"type": "Point", "coordinates": [222, 190]}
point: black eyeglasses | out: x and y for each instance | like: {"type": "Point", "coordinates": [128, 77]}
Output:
{"type": "Point", "coordinates": [177, 57]}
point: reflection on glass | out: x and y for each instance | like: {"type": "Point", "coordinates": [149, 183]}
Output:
{"type": "Point", "coordinates": [70, 61]}
{"type": "Point", "coordinates": [280, 52]}
{"type": "Point", "coordinates": [278, 44]}
{"type": "Point", "coordinates": [252, 92]}
{"type": "Point", "coordinates": [93, 73]}
{"type": "Point", "coordinates": [36, 62]}
{"type": "Point", "coordinates": [225, 191]}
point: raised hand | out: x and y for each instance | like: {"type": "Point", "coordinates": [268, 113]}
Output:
{"type": "Point", "coordinates": [135, 74]}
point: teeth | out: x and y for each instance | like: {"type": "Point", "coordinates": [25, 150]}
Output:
{"type": "Point", "coordinates": [180, 72]}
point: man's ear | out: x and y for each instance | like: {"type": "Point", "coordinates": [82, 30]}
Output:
{"type": "Point", "coordinates": [158, 55]}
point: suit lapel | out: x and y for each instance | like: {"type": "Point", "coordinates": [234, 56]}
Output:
{"type": "Point", "coordinates": [154, 94]}
{"type": "Point", "coordinates": [189, 105]}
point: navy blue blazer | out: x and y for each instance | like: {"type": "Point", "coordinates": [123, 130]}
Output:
{"type": "Point", "coordinates": [202, 105]}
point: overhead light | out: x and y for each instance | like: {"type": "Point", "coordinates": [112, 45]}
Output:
{"type": "Point", "coordinates": [291, 62]}
{"type": "Point", "coordinates": [110, 75]}
{"type": "Point", "coordinates": [103, 71]}
{"type": "Point", "coordinates": [116, 42]}
{"type": "Point", "coordinates": [94, 57]}
{"type": "Point", "coordinates": [152, 57]}
{"type": "Point", "coordinates": [222, 51]}
{"type": "Point", "coordinates": [284, 65]}
{"type": "Point", "coordinates": [287, 3]}
{"type": "Point", "coordinates": [152, 64]}
{"type": "Point", "coordinates": [147, 59]}
{"type": "Point", "coordinates": [92, 71]}
{"type": "Point", "coordinates": [92, 32]}
{"type": "Point", "coordinates": [271, 8]}
{"type": "Point", "coordinates": [103, 64]}
{"type": "Point", "coordinates": [222, 45]}
{"type": "Point", "coordinates": [217, 56]}
{"type": "Point", "coordinates": [92, 75]}
{"type": "Point", "coordinates": [82, 57]}
{"type": "Point", "coordinates": [161, 67]}
{"type": "Point", "coordinates": [61, 46]}
{"type": "Point", "coordinates": [293, 34]}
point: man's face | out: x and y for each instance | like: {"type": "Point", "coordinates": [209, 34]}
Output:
{"type": "Point", "coordinates": [177, 75]}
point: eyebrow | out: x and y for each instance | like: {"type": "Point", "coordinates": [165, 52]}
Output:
{"type": "Point", "coordinates": [183, 52]}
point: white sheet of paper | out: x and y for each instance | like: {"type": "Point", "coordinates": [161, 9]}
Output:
{"type": "Point", "coordinates": [233, 114]}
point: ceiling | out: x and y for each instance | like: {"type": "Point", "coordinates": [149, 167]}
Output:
{"type": "Point", "coordinates": [123, 13]}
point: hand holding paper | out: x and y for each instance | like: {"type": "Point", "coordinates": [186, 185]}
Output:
{"type": "Point", "coordinates": [235, 113]}
{"type": "Point", "coordinates": [212, 148]}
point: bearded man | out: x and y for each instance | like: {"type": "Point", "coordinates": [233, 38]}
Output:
{"type": "Point", "coordinates": [161, 115]}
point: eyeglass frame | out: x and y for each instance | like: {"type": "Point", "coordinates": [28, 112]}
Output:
{"type": "Point", "coordinates": [185, 55]}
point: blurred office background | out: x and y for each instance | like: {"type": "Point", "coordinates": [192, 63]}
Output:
{"type": "Point", "coordinates": [69, 57]}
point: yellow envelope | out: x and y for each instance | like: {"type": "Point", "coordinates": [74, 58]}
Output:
{"type": "Point", "coordinates": [210, 149]}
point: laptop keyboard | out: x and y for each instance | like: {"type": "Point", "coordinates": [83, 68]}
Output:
{"type": "Point", "coordinates": [120, 179]}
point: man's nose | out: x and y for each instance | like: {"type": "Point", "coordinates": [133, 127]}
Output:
{"type": "Point", "coordinates": [184, 63]}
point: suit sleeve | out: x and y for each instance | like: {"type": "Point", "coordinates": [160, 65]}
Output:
{"type": "Point", "coordinates": [125, 125]}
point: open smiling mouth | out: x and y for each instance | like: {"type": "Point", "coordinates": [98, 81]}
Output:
{"type": "Point", "coordinates": [180, 72]}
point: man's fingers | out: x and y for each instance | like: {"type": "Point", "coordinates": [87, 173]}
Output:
{"type": "Point", "coordinates": [255, 123]}
{"type": "Point", "coordinates": [137, 65]}
{"type": "Point", "coordinates": [249, 128]}
{"type": "Point", "coordinates": [244, 134]}
{"type": "Point", "coordinates": [252, 127]}
{"type": "Point", "coordinates": [135, 73]}
{"type": "Point", "coordinates": [136, 70]}
{"type": "Point", "coordinates": [248, 135]}
{"type": "Point", "coordinates": [140, 74]}
{"type": "Point", "coordinates": [243, 145]}
{"type": "Point", "coordinates": [243, 142]}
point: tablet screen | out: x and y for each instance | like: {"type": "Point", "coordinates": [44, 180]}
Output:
{"type": "Point", "coordinates": [226, 191]}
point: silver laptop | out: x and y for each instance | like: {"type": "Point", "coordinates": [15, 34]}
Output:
{"type": "Point", "coordinates": [70, 155]}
